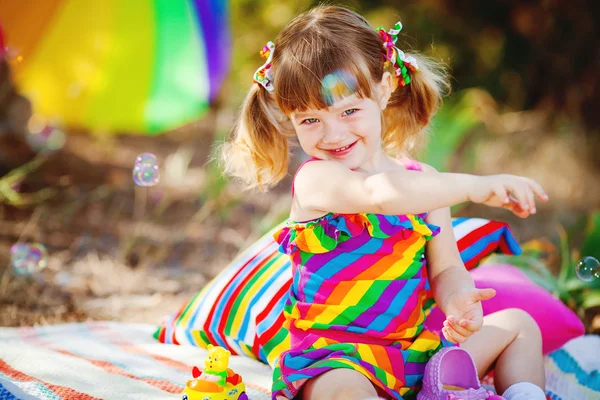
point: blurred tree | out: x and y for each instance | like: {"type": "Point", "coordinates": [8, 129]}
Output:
{"type": "Point", "coordinates": [526, 54]}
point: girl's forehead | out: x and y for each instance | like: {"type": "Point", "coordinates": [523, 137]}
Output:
{"type": "Point", "coordinates": [340, 104]}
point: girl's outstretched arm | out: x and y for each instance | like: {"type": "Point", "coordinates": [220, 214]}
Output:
{"type": "Point", "coordinates": [329, 186]}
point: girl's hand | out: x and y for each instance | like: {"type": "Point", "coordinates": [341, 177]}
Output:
{"type": "Point", "coordinates": [515, 193]}
{"type": "Point", "coordinates": [464, 314]}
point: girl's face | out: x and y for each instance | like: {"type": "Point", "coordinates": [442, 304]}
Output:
{"type": "Point", "coordinates": [349, 131]}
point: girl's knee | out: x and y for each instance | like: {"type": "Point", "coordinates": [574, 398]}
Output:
{"type": "Point", "coordinates": [523, 324]}
{"type": "Point", "coordinates": [339, 384]}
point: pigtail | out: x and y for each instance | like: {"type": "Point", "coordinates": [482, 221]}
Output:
{"type": "Point", "coordinates": [411, 107]}
{"type": "Point", "coordinates": [258, 152]}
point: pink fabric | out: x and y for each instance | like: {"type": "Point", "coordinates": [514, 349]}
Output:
{"type": "Point", "coordinates": [557, 322]}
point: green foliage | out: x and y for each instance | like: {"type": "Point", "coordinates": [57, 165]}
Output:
{"type": "Point", "coordinates": [451, 127]}
{"type": "Point", "coordinates": [9, 193]}
{"type": "Point", "coordinates": [574, 292]}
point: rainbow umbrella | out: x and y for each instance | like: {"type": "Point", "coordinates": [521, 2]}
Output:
{"type": "Point", "coordinates": [135, 66]}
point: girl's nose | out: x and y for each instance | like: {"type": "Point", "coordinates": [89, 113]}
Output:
{"type": "Point", "coordinates": [333, 133]}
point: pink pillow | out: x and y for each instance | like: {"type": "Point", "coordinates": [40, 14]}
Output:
{"type": "Point", "coordinates": [515, 290]}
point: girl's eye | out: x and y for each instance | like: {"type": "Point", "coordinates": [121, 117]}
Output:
{"type": "Point", "coordinates": [310, 121]}
{"type": "Point", "coordinates": [350, 111]}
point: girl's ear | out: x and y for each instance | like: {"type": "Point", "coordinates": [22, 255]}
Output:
{"type": "Point", "coordinates": [385, 89]}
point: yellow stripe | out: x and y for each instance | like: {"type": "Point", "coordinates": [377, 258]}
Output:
{"type": "Point", "coordinates": [247, 351]}
{"type": "Point", "coordinates": [312, 242]}
{"type": "Point", "coordinates": [425, 344]}
{"type": "Point", "coordinates": [366, 354]}
{"type": "Point", "coordinates": [185, 318]}
{"type": "Point", "coordinates": [69, 63]}
{"type": "Point", "coordinates": [122, 87]}
{"type": "Point", "coordinates": [399, 267]}
{"type": "Point", "coordinates": [352, 298]}
{"type": "Point", "coordinates": [277, 350]}
{"type": "Point", "coordinates": [198, 341]}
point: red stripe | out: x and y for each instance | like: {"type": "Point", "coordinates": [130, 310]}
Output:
{"type": "Point", "coordinates": [272, 331]}
{"type": "Point", "coordinates": [504, 248]}
{"type": "Point", "coordinates": [117, 340]}
{"type": "Point", "coordinates": [218, 300]}
{"type": "Point", "coordinates": [113, 369]}
{"type": "Point", "coordinates": [161, 335]}
{"type": "Point", "coordinates": [223, 318]}
{"type": "Point", "coordinates": [64, 392]}
{"type": "Point", "coordinates": [239, 288]}
{"type": "Point", "coordinates": [479, 233]}
{"type": "Point", "coordinates": [487, 250]}
{"type": "Point", "coordinates": [260, 341]}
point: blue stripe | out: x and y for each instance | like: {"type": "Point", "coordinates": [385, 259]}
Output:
{"type": "Point", "coordinates": [343, 259]}
{"type": "Point", "coordinates": [258, 295]}
{"type": "Point", "coordinates": [39, 388]}
{"type": "Point", "coordinates": [383, 320]}
{"type": "Point", "coordinates": [568, 365]}
{"type": "Point", "coordinates": [477, 248]}
{"type": "Point", "coordinates": [511, 242]}
{"type": "Point", "coordinates": [458, 221]}
{"type": "Point", "coordinates": [5, 394]}
{"type": "Point", "coordinates": [272, 316]}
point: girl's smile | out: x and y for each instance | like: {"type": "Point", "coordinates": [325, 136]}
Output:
{"type": "Point", "coordinates": [341, 152]}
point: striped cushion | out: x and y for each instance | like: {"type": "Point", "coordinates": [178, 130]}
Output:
{"type": "Point", "coordinates": [242, 308]}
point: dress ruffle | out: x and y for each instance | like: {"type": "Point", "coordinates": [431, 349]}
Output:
{"type": "Point", "coordinates": [324, 234]}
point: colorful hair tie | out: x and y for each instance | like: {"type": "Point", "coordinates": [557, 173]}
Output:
{"type": "Point", "coordinates": [263, 75]}
{"type": "Point", "coordinates": [395, 56]}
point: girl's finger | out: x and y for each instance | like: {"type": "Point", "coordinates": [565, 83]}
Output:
{"type": "Point", "coordinates": [517, 209]}
{"type": "Point", "coordinates": [453, 323]}
{"type": "Point", "coordinates": [473, 325]}
{"type": "Point", "coordinates": [481, 295]}
{"type": "Point", "coordinates": [447, 335]}
{"type": "Point", "coordinates": [531, 200]}
{"type": "Point", "coordinates": [538, 190]}
{"type": "Point", "coordinates": [457, 337]}
{"type": "Point", "coordinates": [501, 193]}
{"type": "Point", "coordinates": [521, 198]}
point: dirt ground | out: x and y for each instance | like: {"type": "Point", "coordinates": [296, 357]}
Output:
{"type": "Point", "coordinates": [121, 252]}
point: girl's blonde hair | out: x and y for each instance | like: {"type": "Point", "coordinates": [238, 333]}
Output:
{"type": "Point", "coordinates": [312, 46]}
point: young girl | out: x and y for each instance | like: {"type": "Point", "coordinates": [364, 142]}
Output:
{"type": "Point", "coordinates": [362, 213]}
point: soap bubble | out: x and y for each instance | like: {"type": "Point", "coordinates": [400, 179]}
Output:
{"type": "Point", "coordinates": [337, 85]}
{"type": "Point", "coordinates": [145, 171]}
{"type": "Point", "coordinates": [27, 259]}
{"type": "Point", "coordinates": [45, 138]}
{"type": "Point", "coordinates": [588, 269]}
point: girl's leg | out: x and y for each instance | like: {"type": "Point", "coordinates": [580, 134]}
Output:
{"type": "Point", "coordinates": [339, 384]}
{"type": "Point", "coordinates": [511, 341]}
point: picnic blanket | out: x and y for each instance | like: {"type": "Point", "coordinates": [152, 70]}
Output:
{"type": "Point", "coordinates": [110, 360]}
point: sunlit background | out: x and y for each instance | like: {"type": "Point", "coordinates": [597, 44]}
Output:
{"type": "Point", "coordinates": [87, 88]}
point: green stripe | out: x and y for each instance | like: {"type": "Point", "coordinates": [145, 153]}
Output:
{"type": "Point", "coordinates": [249, 285]}
{"type": "Point", "coordinates": [281, 336]}
{"type": "Point", "coordinates": [180, 86]}
{"type": "Point", "coordinates": [367, 300]}
{"type": "Point", "coordinates": [191, 304]}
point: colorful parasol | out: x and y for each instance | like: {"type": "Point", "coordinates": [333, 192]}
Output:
{"type": "Point", "coordinates": [118, 66]}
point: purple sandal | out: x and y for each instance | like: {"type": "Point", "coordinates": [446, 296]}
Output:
{"type": "Point", "coordinates": [451, 375]}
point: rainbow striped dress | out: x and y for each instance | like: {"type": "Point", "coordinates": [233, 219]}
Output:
{"type": "Point", "coordinates": [358, 300]}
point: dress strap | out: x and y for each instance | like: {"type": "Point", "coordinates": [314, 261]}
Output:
{"type": "Point", "coordinates": [411, 165]}
{"type": "Point", "coordinates": [298, 170]}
